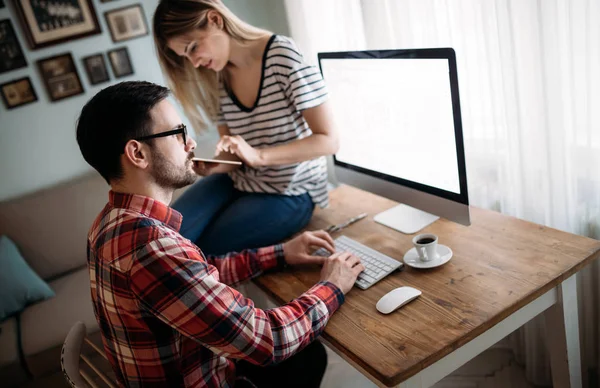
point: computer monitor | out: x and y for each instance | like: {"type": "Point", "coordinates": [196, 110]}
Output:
{"type": "Point", "coordinates": [398, 116]}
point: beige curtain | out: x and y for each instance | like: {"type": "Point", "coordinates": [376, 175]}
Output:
{"type": "Point", "coordinates": [529, 76]}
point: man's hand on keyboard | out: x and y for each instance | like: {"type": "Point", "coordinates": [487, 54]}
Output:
{"type": "Point", "coordinates": [342, 269]}
{"type": "Point", "coordinates": [300, 249]}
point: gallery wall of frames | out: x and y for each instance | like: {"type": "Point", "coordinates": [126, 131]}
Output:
{"type": "Point", "coordinates": [35, 25]}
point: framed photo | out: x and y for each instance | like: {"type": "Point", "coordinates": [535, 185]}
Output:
{"type": "Point", "coordinates": [96, 70]}
{"type": "Point", "coordinates": [11, 55]}
{"type": "Point", "coordinates": [126, 23]}
{"type": "Point", "coordinates": [60, 76]}
{"type": "Point", "coordinates": [18, 92]}
{"type": "Point", "coordinates": [120, 62]}
{"type": "Point", "coordinates": [48, 22]}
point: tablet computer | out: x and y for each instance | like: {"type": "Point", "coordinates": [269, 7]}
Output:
{"type": "Point", "coordinates": [237, 163]}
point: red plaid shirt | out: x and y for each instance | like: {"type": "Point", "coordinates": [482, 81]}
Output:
{"type": "Point", "coordinates": [166, 312]}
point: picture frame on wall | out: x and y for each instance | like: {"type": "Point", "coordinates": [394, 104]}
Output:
{"type": "Point", "coordinates": [60, 76]}
{"type": "Point", "coordinates": [18, 92]}
{"type": "Point", "coordinates": [49, 22]}
{"type": "Point", "coordinates": [120, 62]}
{"type": "Point", "coordinates": [96, 70]}
{"type": "Point", "coordinates": [11, 54]}
{"type": "Point", "coordinates": [126, 23]}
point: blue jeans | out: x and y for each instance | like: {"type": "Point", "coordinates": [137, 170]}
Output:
{"type": "Point", "coordinates": [221, 219]}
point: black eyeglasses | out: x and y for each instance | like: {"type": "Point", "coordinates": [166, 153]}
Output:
{"type": "Point", "coordinates": [179, 129]}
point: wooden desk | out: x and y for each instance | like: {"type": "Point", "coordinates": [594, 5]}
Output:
{"type": "Point", "coordinates": [504, 272]}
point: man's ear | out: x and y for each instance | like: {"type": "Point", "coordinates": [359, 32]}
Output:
{"type": "Point", "coordinates": [137, 154]}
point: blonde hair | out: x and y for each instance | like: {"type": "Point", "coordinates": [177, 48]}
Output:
{"type": "Point", "coordinates": [196, 89]}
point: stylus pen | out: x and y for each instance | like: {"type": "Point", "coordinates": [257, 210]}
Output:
{"type": "Point", "coordinates": [335, 228]}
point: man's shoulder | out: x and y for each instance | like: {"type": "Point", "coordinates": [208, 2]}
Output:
{"type": "Point", "coordinates": [114, 222]}
{"type": "Point", "coordinates": [118, 233]}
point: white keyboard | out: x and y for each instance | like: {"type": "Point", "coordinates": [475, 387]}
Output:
{"type": "Point", "coordinates": [376, 263]}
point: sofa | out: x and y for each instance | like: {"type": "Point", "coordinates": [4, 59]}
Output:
{"type": "Point", "coordinates": [50, 229]}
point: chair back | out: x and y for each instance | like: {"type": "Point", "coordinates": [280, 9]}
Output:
{"type": "Point", "coordinates": [71, 357]}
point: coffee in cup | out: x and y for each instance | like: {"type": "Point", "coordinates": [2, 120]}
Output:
{"type": "Point", "coordinates": [426, 246]}
{"type": "Point", "coordinates": [425, 240]}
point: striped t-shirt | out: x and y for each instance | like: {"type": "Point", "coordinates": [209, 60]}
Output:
{"type": "Point", "coordinates": [288, 86]}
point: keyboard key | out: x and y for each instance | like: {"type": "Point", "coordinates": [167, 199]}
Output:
{"type": "Point", "coordinates": [377, 265]}
{"type": "Point", "coordinates": [368, 278]}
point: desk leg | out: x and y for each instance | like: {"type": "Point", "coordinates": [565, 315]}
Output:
{"type": "Point", "coordinates": [562, 327]}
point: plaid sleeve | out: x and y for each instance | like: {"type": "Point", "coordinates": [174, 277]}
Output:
{"type": "Point", "coordinates": [236, 267]}
{"type": "Point", "coordinates": [176, 285]}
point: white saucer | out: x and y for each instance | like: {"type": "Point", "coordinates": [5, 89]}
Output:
{"type": "Point", "coordinates": [411, 258]}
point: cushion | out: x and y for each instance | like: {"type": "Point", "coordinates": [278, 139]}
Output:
{"type": "Point", "coordinates": [19, 285]}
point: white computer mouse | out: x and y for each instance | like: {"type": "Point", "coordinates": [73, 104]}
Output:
{"type": "Point", "coordinates": [396, 298]}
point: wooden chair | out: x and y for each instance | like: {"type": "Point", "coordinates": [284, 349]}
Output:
{"type": "Point", "coordinates": [70, 360]}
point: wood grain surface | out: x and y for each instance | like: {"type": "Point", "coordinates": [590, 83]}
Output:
{"type": "Point", "coordinates": [500, 264]}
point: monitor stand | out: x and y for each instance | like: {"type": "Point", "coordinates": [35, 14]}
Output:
{"type": "Point", "coordinates": [405, 219]}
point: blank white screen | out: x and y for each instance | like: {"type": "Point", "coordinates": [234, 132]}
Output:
{"type": "Point", "coordinates": [395, 117]}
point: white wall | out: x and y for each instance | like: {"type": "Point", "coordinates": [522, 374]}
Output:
{"type": "Point", "coordinates": [37, 141]}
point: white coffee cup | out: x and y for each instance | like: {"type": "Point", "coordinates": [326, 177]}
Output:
{"type": "Point", "coordinates": [426, 246]}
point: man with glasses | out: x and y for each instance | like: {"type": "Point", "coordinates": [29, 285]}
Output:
{"type": "Point", "coordinates": [167, 313]}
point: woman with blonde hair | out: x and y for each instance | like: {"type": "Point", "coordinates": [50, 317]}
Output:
{"type": "Point", "coordinates": [271, 112]}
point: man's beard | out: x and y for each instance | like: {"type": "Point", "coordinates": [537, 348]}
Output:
{"type": "Point", "coordinates": [169, 176]}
